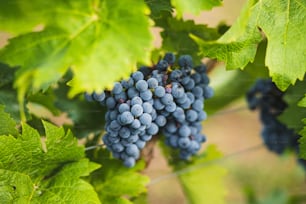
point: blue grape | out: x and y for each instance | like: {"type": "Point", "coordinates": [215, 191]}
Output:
{"type": "Point", "coordinates": [161, 120]}
{"type": "Point", "coordinates": [99, 96]}
{"type": "Point", "coordinates": [146, 95]}
{"type": "Point", "coordinates": [159, 91]}
{"type": "Point", "coordinates": [167, 99]}
{"type": "Point", "coordinates": [152, 83]}
{"type": "Point", "coordinates": [184, 131]}
{"type": "Point", "coordinates": [129, 162]}
{"type": "Point", "coordinates": [88, 97]}
{"type": "Point", "coordinates": [146, 137]}
{"type": "Point", "coordinates": [147, 107]}
{"type": "Point", "coordinates": [117, 88]}
{"type": "Point", "coordinates": [123, 107]}
{"type": "Point", "coordinates": [170, 58]}
{"type": "Point", "coordinates": [132, 150]}
{"type": "Point", "coordinates": [185, 61]}
{"type": "Point", "coordinates": [208, 92]}
{"type": "Point", "coordinates": [136, 100]}
{"type": "Point", "coordinates": [110, 103]}
{"type": "Point", "coordinates": [136, 124]}
{"type": "Point", "coordinates": [126, 118]}
{"type": "Point", "coordinates": [177, 90]}
{"type": "Point", "coordinates": [145, 119]}
{"type": "Point", "coordinates": [137, 76]}
{"type": "Point", "coordinates": [191, 115]}
{"type": "Point", "coordinates": [117, 147]}
{"type": "Point", "coordinates": [162, 65]}
{"type": "Point", "coordinates": [183, 142]}
{"type": "Point", "coordinates": [198, 105]}
{"type": "Point", "coordinates": [137, 110]}
{"type": "Point", "coordinates": [124, 132]}
{"type": "Point", "coordinates": [158, 105]}
{"type": "Point", "coordinates": [141, 85]}
{"type": "Point", "coordinates": [171, 107]}
{"type": "Point", "coordinates": [132, 92]}
{"type": "Point", "coordinates": [153, 129]}
{"type": "Point", "coordinates": [114, 125]}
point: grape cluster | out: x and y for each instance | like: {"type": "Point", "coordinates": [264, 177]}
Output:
{"type": "Point", "coordinates": [152, 100]}
{"type": "Point", "coordinates": [265, 96]}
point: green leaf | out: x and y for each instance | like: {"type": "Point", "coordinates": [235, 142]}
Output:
{"type": "Point", "coordinates": [158, 8]}
{"type": "Point", "coordinates": [25, 153]}
{"type": "Point", "coordinates": [204, 183]}
{"type": "Point", "coordinates": [194, 6]}
{"type": "Point", "coordinates": [283, 22]}
{"type": "Point", "coordinates": [101, 42]}
{"type": "Point", "coordinates": [17, 16]}
{"type": "Point", "coordinates": [53, 167]}
{"type": "Point", "coordinates": [279, 20]}
{"type": "Point", "coordinates": [302, 102]}
{"type": "Point", "coordinates": [46, 99]}
{"type": "Point", "coordinates": [8, 97]}
{"type": "Point", "coordinates": [7, 124]}
{"type": "Point", "coordinates": [66, 187]}
{"type": "Point", "coordinates": [87, 117]}
{"type": "Point", "coordinates": [230, 85]}
{"type": "Point", "coordinates": [114, 181]}
{"type": "Point", "coordinates": [6, 75]}
{"type": "Point", "coordinates": [176, 36]}
{"type": "Point", "coordinates": [302, 141]}
{"type": "Point", "coordinates": [237, 47]}
{"type": "Point", "coordinates": [15, 187]}
{"type": "Point", "coordinates": [293, 114]}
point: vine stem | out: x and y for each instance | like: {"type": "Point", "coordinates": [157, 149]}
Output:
{"type": "Point", "coordinates": [94, 147]}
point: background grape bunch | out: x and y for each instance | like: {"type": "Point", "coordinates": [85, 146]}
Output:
{"type": "Point", "coordinates": [159, 99]}
{"type": "Point", "coordinates": [268, 99]}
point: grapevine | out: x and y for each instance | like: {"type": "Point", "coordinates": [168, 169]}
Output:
{"type": "Point", "coordinates": [101, 101]}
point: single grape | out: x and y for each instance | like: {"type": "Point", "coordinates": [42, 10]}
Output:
{"type": "Point", "coordinates": [141, 85]}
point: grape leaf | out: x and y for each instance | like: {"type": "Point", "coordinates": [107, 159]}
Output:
{"type": "Point", "coordinates": [88, 37]}
{"type": "Point", "coordinates": [8, 97]}
{"type": "Point", "coordinates": [194, 6]}
{"type": "Point", "coordinates": [16, 16]}
{"type": "Point", "coordinates": [87, 117]}
{"type": "Point", "coordinates": [302, 102]}
{"type": "Point", "coordinates": [52, 171]}
{"type": "Point", "coordinates": [26, 155]}
{"type": "Point", "coordinates": [283, 22]}
{"type": "Point", "coordinates": [15, 187]}
{"type": "Point", "coordinates": [237, 47]}
{"type": "Point", "coordinates": [45, 99]}
{"type": "Point", "coordinates": [7, 124]}
{"type": "Point", "coordinates": [176, 36]}
{"type": "Point", "coordinates": [66, 187]}
{"type": "Point", "coordinates": [158, 7]}
{"type": "Point", "coordinates": [302, 141]}
{"type": "Point", "coordinates": [114, 181]}
{"type": "Point", "coordinates": [293, 114]}
{"type": "Point", "coordinates": [231, 85]}
{"type": "Point", "coordinates": [6, 75]}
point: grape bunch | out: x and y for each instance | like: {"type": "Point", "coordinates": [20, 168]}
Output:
{"type": "Point", "coordinates": [268, 99]}
{"type": "Point", "coordinates": [159, 99]}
